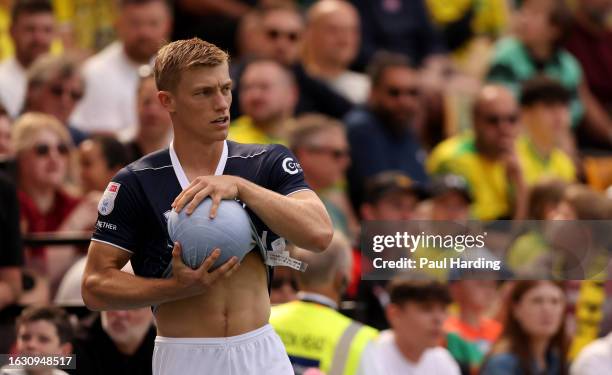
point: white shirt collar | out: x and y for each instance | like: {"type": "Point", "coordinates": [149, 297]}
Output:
{"type": "Point", "coordinates": [318, 298]}
{"type": "Point", "coordinates": [180, 173]}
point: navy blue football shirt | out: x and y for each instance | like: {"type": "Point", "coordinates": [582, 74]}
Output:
{"type": "Point", "coordinates": [132, 214]}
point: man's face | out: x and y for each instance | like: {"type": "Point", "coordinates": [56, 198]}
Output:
{"type": "Point", "coordinates": [282, 36]}
{"type": "Point", "coordinates": [153, 119]}
{"type": "Point", "coordinates": [418, 323]}
{"type": "Point", "coordinates": [325, 158]}
{"type": "Point", "coordinates": [397, 95]}
{"type": "Point", "coordinates": [266, 93]}
{"type": "Point", "coordinates": [497, 123]}
{"type": "Point", "coordinates": [127, 326]}
{"type": "Point", "coordinates": [58, 97]}
{"type": "Point", "coordinates": [199, 104]}
{"type": "Point", "coordinates": [335, 37]}
{"type": "Point", "coordinates": [32, 34]}
{"type": "Point", "coordinates": [40, 337]}
{"type": "Point", "coordinates": [143, 29]}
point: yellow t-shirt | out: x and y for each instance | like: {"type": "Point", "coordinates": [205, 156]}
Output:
{"type": "Point", "coordinates": [244, 131]}
{"type": "Point", "coordinates": [487, 178]}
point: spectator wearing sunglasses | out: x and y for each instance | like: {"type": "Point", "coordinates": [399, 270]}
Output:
{"type": "Point", "coordinates": [55, 86]}
{"type": "Point", "coordinates": [283, 287]}
{"type": "Point", "coordinates": [382, 134]}
{"type": "Point", "coordinates": [43, 147]}
{"type": "Point", "coordinates": [280, 30]}
{"type": "Point", "coordinates": [321, 146]}
{"type": "Point", "coordinates": [488, 159]}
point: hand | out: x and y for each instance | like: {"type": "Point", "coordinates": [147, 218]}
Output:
{"type": "Point", "coordinates": [513, 167]}
{"type": "Point", "coordinates": [217, 187]}
{"type": "Point", "coordinates": [197, 281]}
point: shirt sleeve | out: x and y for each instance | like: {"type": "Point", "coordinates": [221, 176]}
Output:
{"type": "Point", "coordinates": [284, 173]}
{"type": "Point", "coordinates": [118, 213]}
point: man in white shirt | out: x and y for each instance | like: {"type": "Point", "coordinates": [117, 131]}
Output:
{"type": "Point", "coordinates": [111, 76]}
{"type": "Point", "coordinates": [416, 314]}
{"type": "Point", "coordinates": [32, 31]}
{"type": "Point", "coordinates": [595, 358]}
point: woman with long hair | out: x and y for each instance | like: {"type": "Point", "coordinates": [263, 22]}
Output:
{"type": "Point", "coordinates": [533, 341]}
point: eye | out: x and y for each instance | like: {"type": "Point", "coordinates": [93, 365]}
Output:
{"type": "Point", "coordinates": [226, 89]}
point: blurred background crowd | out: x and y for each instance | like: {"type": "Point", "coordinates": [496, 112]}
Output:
{"type": "Point", "coordinates": [396, 110]}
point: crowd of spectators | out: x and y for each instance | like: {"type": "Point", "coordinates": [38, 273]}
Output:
{"type": "Point", "coordinates": [397, 110]}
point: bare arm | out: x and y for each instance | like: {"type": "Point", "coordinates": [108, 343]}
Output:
{"type": "Point", "coordinates": [300, 217]}
{"type": "Point", "coordinates": [10, 285]}
{"type": "Point", "coordinates": [106, 287]}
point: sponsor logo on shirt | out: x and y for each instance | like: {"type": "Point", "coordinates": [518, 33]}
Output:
{"type": "Point", "coordinates": [105, 225]}
{"type": "Point", "coordinates": [107, 202]}
{"type": "Point", "coordinates": [290, 166]}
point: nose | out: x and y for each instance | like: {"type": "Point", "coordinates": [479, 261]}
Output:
{"type": "Point", "coordinates": [221, 102]}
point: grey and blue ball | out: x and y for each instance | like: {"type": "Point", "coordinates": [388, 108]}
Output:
{"type": "Point", "coordinates": [230, 231]}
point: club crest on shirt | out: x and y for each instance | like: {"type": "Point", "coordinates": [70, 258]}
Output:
{"type": "Point", "coordinates": [107, 202]}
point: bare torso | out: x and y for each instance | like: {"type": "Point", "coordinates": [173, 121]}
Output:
{"type": "Point", "coordinates": [231, 307]}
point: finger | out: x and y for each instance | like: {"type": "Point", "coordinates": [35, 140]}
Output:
{"type": "Point", "coordinates": [176, 250]}
{"type": "Point", "coordinates": [224, 268]}
{"type": "Point", "coordinates": [210, 260]}
{"type": "Point", "coordinates": [187, 194]}
{"type": "Point", "coordinates": [232, 270]}
{"type": "Point", "coordinates": [198, 198]}
{"type": "Point", "coordinates": [216, 201]}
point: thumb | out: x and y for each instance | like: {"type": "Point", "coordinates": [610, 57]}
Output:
{"type": "Point", "coordinates": [176, 251]}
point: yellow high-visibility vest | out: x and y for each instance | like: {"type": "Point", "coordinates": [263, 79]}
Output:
{"type": "Point", "coordinates": [316, 335]}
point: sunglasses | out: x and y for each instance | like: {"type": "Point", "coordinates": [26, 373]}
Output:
{"type": "Point", "coordinates": [275, 34]}
{"type": "Point", "coordinates": [335, 153]}
{"type": "Point", "coordinates": [58, 91]}
{"type": "Point", "coordinates": [412, 92]}
{"type": "Point", "coordinates": [500, 119]}
{"type": "Point", "coordinates": [278, 283]}
{"type": "Point", "coordinates": [45, 149]}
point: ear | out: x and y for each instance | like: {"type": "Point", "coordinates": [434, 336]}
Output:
{"type": "Point", "coordinates": [167, 101]}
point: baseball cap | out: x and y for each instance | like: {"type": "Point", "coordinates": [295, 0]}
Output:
{"type": "Point", "coordinates": [386, 183]}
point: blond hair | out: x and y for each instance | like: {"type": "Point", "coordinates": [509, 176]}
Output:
{"type": "Point", "coordinates": [177, 57]}
{"type": "Point", "coordinates": [28, 125]}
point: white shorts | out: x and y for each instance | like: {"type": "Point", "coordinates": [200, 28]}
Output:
{"type": "Point", "coordinates": [259, 352]}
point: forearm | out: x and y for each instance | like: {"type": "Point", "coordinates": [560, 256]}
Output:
{"type": "Point", "coordinates": [304, 222]}
{"type": "Point", "coordinates": [113, 289]}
